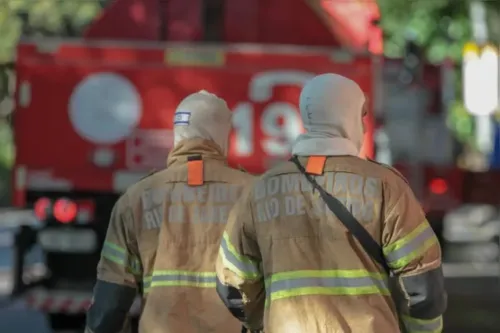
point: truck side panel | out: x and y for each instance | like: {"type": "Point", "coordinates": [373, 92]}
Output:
{"type": "Point", "coordinates": [82, 93]}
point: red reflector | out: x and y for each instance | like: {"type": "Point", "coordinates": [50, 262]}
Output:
{"type": "Point", "coordinates": [438, 186]}
{"type": "Point", "coordinates": [42, 207]}
{"type": "Point", "coordinates": [65, 210]}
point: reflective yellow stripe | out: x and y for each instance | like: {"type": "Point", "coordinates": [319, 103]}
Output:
{"type": "Point", "coordinates": [326, 282]}
{"type": "Point", "coordinates": [177, 278]}
{"type": "Point", "coordinates": [114, 253]}
{"type": "Point", "coordinates": [414, 325]}
{"type": "Point", "coordinates": [403, 251]}
{"type": "Point", "coordinates": [239, 264]}
{"type": "Point", "coordinates": [119, 255]}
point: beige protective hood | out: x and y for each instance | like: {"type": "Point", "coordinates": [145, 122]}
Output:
{"type": "Point", "coordinates": [331, 108]}
{"type": "Point", "coordinates": [203, 115]}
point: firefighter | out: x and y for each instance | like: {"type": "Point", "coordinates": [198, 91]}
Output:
{"type": "Point", "coordinates": [165, 231]}
{"type": "Point", "coordinates": [287, 264]}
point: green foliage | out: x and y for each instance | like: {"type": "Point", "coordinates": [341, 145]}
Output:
{"type": "Point", "coordinates": [42, 17]}
{"type": "Point", "coordinates": [61, 18]}
{"type": "Point", "coordinates": [6, 160]}
{"type": "Point", "coordinates": [6, 148]}
{"type": "Point", "coordinates": [441, 27]}
{"type": "Point", "coordinates": [461, 122]}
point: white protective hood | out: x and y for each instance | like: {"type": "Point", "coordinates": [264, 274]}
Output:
{"type": "Point", "coordinates": [331, 109]}
{"type": "Point", "coordinates": [203, 115]}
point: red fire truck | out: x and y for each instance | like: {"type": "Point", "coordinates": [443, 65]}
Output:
{"type": "Point", "coordinates": [94, 115]}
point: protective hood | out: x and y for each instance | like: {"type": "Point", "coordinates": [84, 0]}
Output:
{"type": "Point", "coordinates": [331, 109]}
{"type": "Point", "coordinates": [203, 115]}
{"type": "Point", "coordinates": [205, 148]}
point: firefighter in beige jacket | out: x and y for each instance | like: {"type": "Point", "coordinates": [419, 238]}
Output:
{"type": "Point", "coordinates": [288, 265]}
{"type": "Point", "coordinates": [165, 231]}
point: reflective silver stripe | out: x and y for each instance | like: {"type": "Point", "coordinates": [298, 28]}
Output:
{"type": "Point", "coordinates": [423, 325]}
{"type": "Point", "coordinates": [328, 282]}
{"type": "Point", "coordinates": [411, 246]}
{"type": "Point", "coordinates": [119, 255]}
{"type": "Point", "coordinates": [178, 278]}
{"type": "Point", "coordinates": [174, 278]}
{"type": "Point", "coordinates": [244, 265]}
{"type": "Point", "coordinates": [114, 253]}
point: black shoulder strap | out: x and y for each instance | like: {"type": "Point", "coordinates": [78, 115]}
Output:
{"type": "Point", "coordinates": [348, 220]}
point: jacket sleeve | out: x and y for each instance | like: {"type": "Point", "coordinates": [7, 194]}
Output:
{"type": "Point", "coordinates": [240, 283]}
{"type": "Point", "coordinates": [412, 251]}
{"type": "Point", "coordinates": [118, 273]}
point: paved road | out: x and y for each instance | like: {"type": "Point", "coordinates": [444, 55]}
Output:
{"type": "Point", "coordinates": [23, 321]}
{"type": "Point", "coordinates": [473, 305]}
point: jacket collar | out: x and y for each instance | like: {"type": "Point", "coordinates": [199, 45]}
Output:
{"type": "Point", "coordinates": [310, 146]}
{"type": "Point", "coordinates": [206, 148]}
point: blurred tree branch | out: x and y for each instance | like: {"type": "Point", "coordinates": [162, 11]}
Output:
{"type": "Point", "coordinates": [33, 18]}
{"type": "Point", "coordinates": [61, 18]}
{"type": "Point", "coordinates": [441, 27]}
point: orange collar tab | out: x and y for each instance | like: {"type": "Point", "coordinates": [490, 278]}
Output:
{"type": "Point", "coordinates": [315, 165]}
{"type": "Point", "coordinates": [195, 170]}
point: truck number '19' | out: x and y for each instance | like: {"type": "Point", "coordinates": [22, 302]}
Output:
{"type": "Point", "coordinates": [279, 125]}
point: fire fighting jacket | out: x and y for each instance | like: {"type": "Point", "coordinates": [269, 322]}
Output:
{"type": "Point", "coordinates": [162, 241]}
{"type": "Point", "coordinates": [299, 270]}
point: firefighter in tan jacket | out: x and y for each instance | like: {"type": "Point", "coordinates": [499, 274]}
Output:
{"type": "Point", "coordinates": [287, 264]}
{"type": "Point", "coordinates": [165, 231]}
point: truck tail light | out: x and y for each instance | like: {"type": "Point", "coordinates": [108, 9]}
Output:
{"type": "Point", "coordinates": [42, 208]}
{"type": "Point", "coordinates": [438, 186]}
{"type": "Point", "coordinates": [65, 210]}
